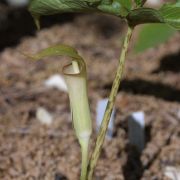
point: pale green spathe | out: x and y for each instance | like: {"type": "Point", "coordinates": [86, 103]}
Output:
{"type": "Point", "coordinates": [77, 88]}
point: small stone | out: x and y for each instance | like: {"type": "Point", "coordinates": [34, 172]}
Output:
{"type": "Point", "coordinates": [56, 81]}
{"type": "Point", "coordinates": [44, 116]}
{"type": "Point", "coordinates": [172, 173]}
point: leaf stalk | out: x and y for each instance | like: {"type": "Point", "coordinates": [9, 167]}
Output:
{"type": "Point", "coordinates": [109, 107]}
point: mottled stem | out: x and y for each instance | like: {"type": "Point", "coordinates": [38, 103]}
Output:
{"type": "Point", "coordinates": [109, 108]}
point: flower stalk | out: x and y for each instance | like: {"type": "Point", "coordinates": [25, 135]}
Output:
{"type": "Point", "coordinates": [76, 80]}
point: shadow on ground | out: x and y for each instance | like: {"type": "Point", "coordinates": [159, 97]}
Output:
{"type": "Point", "coordinates": [133, 164]}
{"type": "Point", "coordinates": [144, 87]}
{"type": "Point", "coordinates": [169, 63]}
{"type": "Point", "coordinates": [156, 89]}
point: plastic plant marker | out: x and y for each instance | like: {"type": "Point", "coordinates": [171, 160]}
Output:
{"type": "Point", "coordinates": [136, 125]}
{"type": "Point", "coordinates": [101, 107]}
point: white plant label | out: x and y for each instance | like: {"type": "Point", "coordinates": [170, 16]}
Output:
{"type": "Point", "coordinates": [101, 107]}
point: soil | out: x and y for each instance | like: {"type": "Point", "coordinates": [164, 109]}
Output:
{"type": "Point", "coordinates": [151, 83]}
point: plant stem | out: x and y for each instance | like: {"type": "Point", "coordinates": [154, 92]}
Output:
{"type": "Point", "coordinates": [84, 151]}
{"type": "Point", "coordinates": [109, 107]}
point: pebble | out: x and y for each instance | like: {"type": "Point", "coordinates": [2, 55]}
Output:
{"type": "Point", "coordinates": [172, 173]}
{"type": "Point", "coordinates": [56, 81]}
{"type": "Point", "coordinates": [44, 116]}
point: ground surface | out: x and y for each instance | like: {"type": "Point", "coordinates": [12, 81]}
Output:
{"type": "Point", "coordinates": [151, 84]}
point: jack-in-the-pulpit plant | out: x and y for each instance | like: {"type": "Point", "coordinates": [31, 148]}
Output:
{"type": "Point", "coordinates": [76, 80]}
{"type": "Point", "coordinates": [133, 12]}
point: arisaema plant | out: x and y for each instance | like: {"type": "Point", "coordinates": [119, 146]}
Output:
{"type": "Point", "coordinates": [130, 11]}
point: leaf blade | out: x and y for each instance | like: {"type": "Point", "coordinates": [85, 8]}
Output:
{"type": "Point", "coordinates": [140, 3]}
{"type": "Point", "coordinates": [168, 13]}
{"type": "Point", "coordinates": [148, 38]}
{"type": "Point", "coordinates": [40, 8]}
{"type": "Point", "coordinates": [144, 15]}
{"type": "Point", "coordinates": [126, 3]}
{"type": "Point", "coordinates": [171, 14]}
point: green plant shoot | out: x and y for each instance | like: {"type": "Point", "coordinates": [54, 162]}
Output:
{"type": "Point", "coordinates": [75, 77]}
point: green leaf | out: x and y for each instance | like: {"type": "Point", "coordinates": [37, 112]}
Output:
{"type": "Point", "coordinates": [126, 3]}
{"type": "Point", "coordinates": [140, 3]}
{"type": "Point", "coordinates": [152, 35]}
{"type": "Point", "coordinates": [144, 15]}
{"type": "Point", "coordinates": [168, 13]}
{"type": "Point", "coordinates": [39, 8]}
{"type": "Point", "coordinates": [171, 14]}
{"type": "Point", "coordinates": [114, 8]}
{"type": "Point", "coordinates": [48, 7]}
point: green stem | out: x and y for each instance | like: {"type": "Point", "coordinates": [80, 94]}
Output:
{"type": "Point", "coordinates": [84, 151]}
{"type": "Point", "coordinates": [109, 108]}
